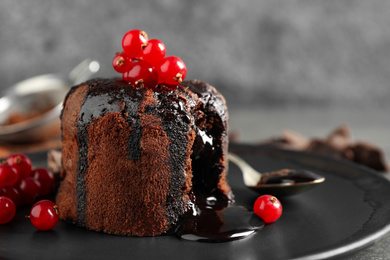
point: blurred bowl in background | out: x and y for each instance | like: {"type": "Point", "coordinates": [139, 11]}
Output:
{"type": "Point", "coordinates": [30, 109]}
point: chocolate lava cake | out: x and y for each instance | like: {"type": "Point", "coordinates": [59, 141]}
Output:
{"type": "Point", "coordinates": [136, 160]}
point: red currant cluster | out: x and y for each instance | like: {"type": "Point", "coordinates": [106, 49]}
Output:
{"type": "Point", "coordinates": [21, 184]}
{"type": "Point", "coordinates": [143, 62]}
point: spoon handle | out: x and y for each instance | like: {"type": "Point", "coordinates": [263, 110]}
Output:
{"type": "Point", "coordinates": [83, 71]}
{"type": "Point", "coordinates": [251, 176]}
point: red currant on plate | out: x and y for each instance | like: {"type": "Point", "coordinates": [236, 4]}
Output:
{"type": "Point", "coordinates": [8, 175]}
{"type": "Point", "coordinates": [172, 70]}
{"type": "Point", "coordinates": [121, 62]}
{"type": "Point", "coordinates": [29, 189]}
{"type": "Point", "coordinates": [21, 163]}
{"type": "Point", "coordinates": [141, 74]}
{"type": "Point", "coordinates": [7, 210]}
{"type": "Point", "coordinates": [133, 42]}
{"type": "Point", "coordinates": [268, 208]}
{"type": "Point", "coordinates": [45, 178]}
{"type": "Point", "coordinates": [154, 52]}
{"type": "Point", "coordinates": [11, 193]}
{"type": "Point", "coordinates": [44, 215]}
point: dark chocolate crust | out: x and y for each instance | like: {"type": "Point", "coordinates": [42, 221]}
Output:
{"type": "Point", "coordinates": [135, 160]}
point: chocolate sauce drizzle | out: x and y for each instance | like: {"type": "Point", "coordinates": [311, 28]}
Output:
{"type": "Point", "coordinates": [176, 124]}
{"type": "Point", "coordinates": [102, 98]}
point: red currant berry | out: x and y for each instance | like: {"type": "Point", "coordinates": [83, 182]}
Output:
{"type": "Point", "coordinates": [8, 175]}
{"type": "Point", "coordinates": [21, 163]}
{"type": "Point", "coordinates": [44, 215]}
{"type": "Point", "coordinates": [12, 193]}
{"type": "Point", "coordinates": [141, 74]}
{"type": "Point", "coordinates": [268, 208]}
{"type": "Point", "coordinates": [154, 52]}
{"type": "Point", "coordinates": [29, 189]}
{"type": "Point", "coordinates": [121, 62]}
{"type": "Point", "coordinates": [7, 210]}
{"type": "Point", "coordinates": [45, 178]}
{"type": "Point", "coordinates": [133, 42]}
{"type": "Point", "coordinates": [172, 70]}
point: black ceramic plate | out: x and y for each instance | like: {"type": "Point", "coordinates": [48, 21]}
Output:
{"type": "Point", "coordinates": [346, 213]}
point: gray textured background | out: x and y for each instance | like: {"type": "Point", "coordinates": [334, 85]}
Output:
{"type": "Point", "coordinates": [255, 51]}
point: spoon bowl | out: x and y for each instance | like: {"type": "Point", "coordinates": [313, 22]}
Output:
{"type": "Point", "coordinates": [30, 110]}
{"type": "Point", "coordinates": [279, 183]}
{"type": "Point", "coordinates": [286, 189]}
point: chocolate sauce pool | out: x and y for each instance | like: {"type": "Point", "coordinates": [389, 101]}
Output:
{"type": "Point", "coordinates": [220, 225]}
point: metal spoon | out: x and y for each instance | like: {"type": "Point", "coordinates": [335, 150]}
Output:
{"type": "Point", "coordinates": [293, 183]}
{"type": "Point", "coordinates": [42, 95]}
